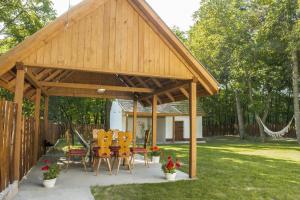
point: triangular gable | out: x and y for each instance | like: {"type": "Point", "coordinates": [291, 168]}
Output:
{"type": "Point", "coordinates": [114, 36]}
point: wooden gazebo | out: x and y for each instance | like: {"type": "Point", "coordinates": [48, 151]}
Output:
{"type": "Point", "coordinates": [119, 46]}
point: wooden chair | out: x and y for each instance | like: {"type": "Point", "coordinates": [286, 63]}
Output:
{"type": "Point", "coordinates": [141, 150]}
{"type": "Point", "coordinates": [104, 152]}
{"type": "Point", "coordinates": [78, 152]}
{"type": "Point", "coordinates": [124, 139]}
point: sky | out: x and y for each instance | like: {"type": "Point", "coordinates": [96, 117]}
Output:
{"type": "Point", "coordinates": [173, 12]}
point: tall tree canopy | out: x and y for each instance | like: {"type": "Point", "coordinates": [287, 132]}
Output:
{"type": "Point", "coordinates": [247, 47]}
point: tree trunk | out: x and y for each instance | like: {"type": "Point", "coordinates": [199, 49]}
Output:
{"type": "Point", "coordinates": [108, 105]}
{"type": "Point", "coordinates": [296, 93]}
{"type": "Point", "coordinates": [265, 114]}
{"type": "Point", "coordinates": [240, 116]}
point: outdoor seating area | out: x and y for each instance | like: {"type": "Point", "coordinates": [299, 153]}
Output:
{"type": "Point", "coordinates": [75, 182]}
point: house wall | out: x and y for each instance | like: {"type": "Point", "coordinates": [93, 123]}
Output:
{"type": "Point", "coordinates": [142, 125]}
{"type": "Point", "coordinates": [164, 124]}
{"type": "Point", "coordinates": [116, 117]}
{"type": "Point", "coordinates": [161, 129]}
{"type": "Point", "coordinates": [186, 124]}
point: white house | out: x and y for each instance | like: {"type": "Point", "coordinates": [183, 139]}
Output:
{"type": "Point", "coordinates": [172, 121]}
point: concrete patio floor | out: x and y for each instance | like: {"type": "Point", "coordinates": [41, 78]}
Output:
{"type": "Point", "coordinates": [75, 183]}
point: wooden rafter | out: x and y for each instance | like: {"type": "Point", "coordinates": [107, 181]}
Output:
{"type": "Point", "coordinates": [63, 76]}
{"type": "Point", "coordinates": [158, 84]}
{"type": "Point", "coordinates": [53, 75]}
{"type": "Point", "coordinates": [43, 73]}
{"type": "Point", "coordinates": [129, 82]}
{"type": "Point", "coordinates": [146, 85]}
{"type": "Point", "coordinates": [31, 78]}
{"type": "Point", "coordinates": [95, 87]}
{"type": "Point", "coordinates": [166, 89]}
{"type": "Point", "coordinates": [184, 92]}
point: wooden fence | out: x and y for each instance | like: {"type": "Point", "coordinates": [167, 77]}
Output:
{"type": "Point", "coordinates": [7, 139]}
{"type": "Point", "coordinates": [27, 146]}
{"type": "Point", "coordinates": [7, 133]}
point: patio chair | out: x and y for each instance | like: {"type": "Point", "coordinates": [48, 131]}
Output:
{"type": "Point", "coordinates": [74, 152]}
{"type": "Point", "coordinates": [141, 150]}
{"type": "Point", "coordinates": [104, 152]}
{"type": "Point", "coordinates": [124, 139]}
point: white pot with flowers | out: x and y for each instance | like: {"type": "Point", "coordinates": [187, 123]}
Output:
{"type": "Point", "coordinates": [155, 153]}
{"type": "Point", "coordinates": [169, 169]}
{"type": "Point", "coordinates": [51, 172]}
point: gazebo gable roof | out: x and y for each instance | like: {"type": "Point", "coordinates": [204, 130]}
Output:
{"type": "Point", "coordinates": [139, 44]}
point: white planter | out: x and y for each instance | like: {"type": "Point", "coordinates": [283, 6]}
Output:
{"type": "Point", "coordinates": [170, 177]}
{"type": "Point", "coordinates": [49, 183]}
{"type": "Point", "coordinates": [155, 159]}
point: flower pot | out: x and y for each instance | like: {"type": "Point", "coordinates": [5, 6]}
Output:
{"type": "Point", "coordinates": [170, 177]}
{"type": "Point", "coordinates": [49, 183]}
{"type": "Point", "coordinates": [155, 159]}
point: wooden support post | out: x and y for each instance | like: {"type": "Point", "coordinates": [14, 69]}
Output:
{"type": "Point", "coordinates": [46, 111]}
{"type": "Point", "coordinates": [154, 120]}
{"type": "Point", "coordinates": [134, 125]}
{"type": "Point", "coordinates": [19, 92]}
{"type": "Point", "coordinates": [193, 138]}
{"type": "Point", "coordinates": [37, 111]}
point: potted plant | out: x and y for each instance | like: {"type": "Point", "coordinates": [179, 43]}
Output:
{"type": "Point", "coordinates": [169, 169]}
{"type": "Point", "coordinates": [155, 153]}
{"type": "Point", "coordinates": [51, 172]}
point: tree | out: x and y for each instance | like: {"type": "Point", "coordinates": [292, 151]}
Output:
{"type": "Point", "coordinates": [21, 18]}
{"type": "Point", "coordinates": [237, 41]}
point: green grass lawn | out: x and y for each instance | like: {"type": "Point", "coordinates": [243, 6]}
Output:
{"type": "Point", "coordinates": [227, 169]}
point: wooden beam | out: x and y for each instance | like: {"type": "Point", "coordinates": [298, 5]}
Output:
{"type": "Point", "coordinates": [134, 121]}
{"type": "Point", "coordinates": [46, 115]}
{"type": "Point", "coordinates": [87, 95]}
{"type": "Point", "coordinates": [37, 111]}
{"type": "Point", "coordinates": [193, 130]}
{"type": "Point", "coordinates": [158, 84]}
{"type": "Point", "coordinates": [154, 120]}
{"type": "Point", "coordinates": [95, 87]}
{"type": "Point", "coordinates": [165, 89]}
{"type": "Point", "coordinates": [18, 99]}
{"type": "Point", "coordinates": [31, 78]}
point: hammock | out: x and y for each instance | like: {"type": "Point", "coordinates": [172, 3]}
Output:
{"type": "Point", "coordinates": [277, 134]}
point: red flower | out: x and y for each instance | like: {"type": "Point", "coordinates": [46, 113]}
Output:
{"type": "Point", "coordinates": [45, 168]}
{"type": "Point", "coordinates": [155, 148]}
{"type": "Point", "coordinates": [170, 165]}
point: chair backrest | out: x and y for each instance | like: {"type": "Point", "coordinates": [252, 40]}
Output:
{"type": "Point", "coordinates": [147, 138]}
{"type": "Point", "coordinates": [124, 139]}
{"type": "Point", "coordinates": [104, 142]}
{"type": "Point", "coordinates": [95, 133]}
